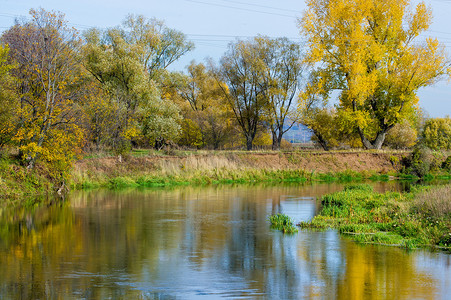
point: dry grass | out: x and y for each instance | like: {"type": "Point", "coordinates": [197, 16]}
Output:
{"type": "Point", "coordinates": [435, 202]}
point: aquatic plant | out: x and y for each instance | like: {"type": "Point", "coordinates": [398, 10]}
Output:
{"type": "Point", "coordinates": [421, 217]}
{"type": "Point", "coordinates": [282, 222]}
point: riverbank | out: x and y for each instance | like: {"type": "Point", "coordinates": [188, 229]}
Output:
{"type": "Point", "coordinates": [149, 168]}
{"type": "Point", "coordinates": [228, 167]}
{"type": "Point", "coordinates": [419, 218]}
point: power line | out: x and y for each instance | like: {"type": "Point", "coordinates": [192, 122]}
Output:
{"type": "Point", "coordinates": [241, 8]}
{"type": "Point", "coordinates": [263, 6]}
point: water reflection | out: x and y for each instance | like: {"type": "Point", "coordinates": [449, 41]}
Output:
{"type": "Point", "coordinates": [196, 242]}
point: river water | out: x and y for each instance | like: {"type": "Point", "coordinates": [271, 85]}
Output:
{"type": "Point", "coordinates": [202, 243]}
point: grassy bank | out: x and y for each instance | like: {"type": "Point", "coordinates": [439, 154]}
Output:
{"type": "Point", "coordinates": [230, 167]}
{"type": "Point", "coordinates": [149, 168]}
{"type": "Point", "coordinates": [419, 218]}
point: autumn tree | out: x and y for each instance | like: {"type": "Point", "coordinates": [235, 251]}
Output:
{"type": "Point", "coordinates": [126, 61]}
{"type": "Point", "coordinates": [368, 50]}
{"type": "Point", "coordinates": [159, 46]}
{"type": "Point", "coordinates": [9, 104]}
{"type": "Point", "coordinates": [281, 68]}
{"type": "Point", "coordinates": [115, 65]}
{"type": "Point", "coordinates": [98, 114]}
{"type": "Point", "coordinates": [437, 133]}
{"type": "Point", "coordinates": [45, 51]}
{"type": "Point", "coordinates": [206, 107]}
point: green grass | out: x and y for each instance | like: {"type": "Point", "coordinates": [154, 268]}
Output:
{"type": "Point", "coordinates": [214, 176]}
{"type": "Point", "coordinates": [419, 218]}
{"type": "Point", "coordinates": [283, 223]}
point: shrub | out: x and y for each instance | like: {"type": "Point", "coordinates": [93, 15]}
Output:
{"type": "Point", "coordinates": [359, 187]}
{"type": "Point", "coordinates": [418, 163]}
{"type": "Point", "coordinates": [401, 136]}
{"type": "Point", "coordinates": [437, 133]}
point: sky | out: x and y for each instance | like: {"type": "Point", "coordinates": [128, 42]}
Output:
{"type": "Point", "coordinates": [213, 24]}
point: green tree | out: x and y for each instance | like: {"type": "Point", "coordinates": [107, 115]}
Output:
{"type": "Point", "coordinates": [116, 66]}
{"type": "Point", "coordinates": [323, 124]}
{"type": "Point", "coordinates": [367, 50]}
{"type": "Point", "coordinates": [129, 63]}
{"type": "Point", "coordinates": [159, 46]}
{"type": "Point", "coordinates": [160, 122]}
{"type": "Point", "coordinates": [437, 133]}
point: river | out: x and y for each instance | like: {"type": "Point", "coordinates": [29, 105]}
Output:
{"type": "Point", "coordinates": [202, 242]}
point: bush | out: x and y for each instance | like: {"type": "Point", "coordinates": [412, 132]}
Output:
{"type": "Point", "coordinates": [401, 136]}
{"type": "Point", "coordinates": [418, 163]}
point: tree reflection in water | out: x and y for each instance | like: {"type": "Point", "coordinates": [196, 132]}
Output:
{"type": "Point", "coordinates": [201, 241]}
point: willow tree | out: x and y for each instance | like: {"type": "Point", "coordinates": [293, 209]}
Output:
{"type": "Point", "coordinates": [126, 61]}
{"type": "Point", "coordinates": [160, 46]}
{"type": "Point", "coordinates": [369, 51]}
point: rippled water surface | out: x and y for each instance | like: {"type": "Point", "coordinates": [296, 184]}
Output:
{"type": "Point", "coordinates": [202, 242]}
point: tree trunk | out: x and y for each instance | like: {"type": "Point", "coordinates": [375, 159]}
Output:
{"type": "Point", "coordinates": [277, 139]}
{"type": "Point", "coordinates": [159, 143]}
{"type": "Point", "coordinates": [275, 142]}
{"type": "Point", "coordinates": [216, 145]}
{"type": "Point", "coordinates": [322, 142]}
{"type": "Point", "coordinates": [249, 140]}
{"type": "Point", "coordinates": [377, 142]}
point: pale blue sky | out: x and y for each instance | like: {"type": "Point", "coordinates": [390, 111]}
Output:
{"type": "Point", "coordinates": [212, 24]}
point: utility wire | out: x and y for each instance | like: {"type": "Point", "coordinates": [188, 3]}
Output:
{"type": "Point", "coordinates": [240, 8]}
{"type": "Point", "coordinates": [263, 6]}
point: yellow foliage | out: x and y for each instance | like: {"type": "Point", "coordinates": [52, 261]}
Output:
{"type": "Point", "coordinates": [262, 139]}
{"type": "Point", "coordinates": [191, 134]}
{"type": "Point", "coordinates": [366, 49]}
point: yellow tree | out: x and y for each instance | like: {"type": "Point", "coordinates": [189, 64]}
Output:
{"type": "Point", "coordinates": [8, 100]}
{"type": "Point", "coordinates": [368, 51]}
{"type": "Point", "coordinates": [437, 133]}
{"type": "Point", "coordinates": [45, 51]}
{"type": "Point", "coordinates": [206, 107]}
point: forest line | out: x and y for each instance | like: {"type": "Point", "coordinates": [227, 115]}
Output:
{"type": "Point", "coordinates": [65, 93]}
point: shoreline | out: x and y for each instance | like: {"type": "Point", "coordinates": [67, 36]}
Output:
{"type": "Point", "coordinates": [420, 218]}
{"type": "Point", "coordinates": [149, 168]}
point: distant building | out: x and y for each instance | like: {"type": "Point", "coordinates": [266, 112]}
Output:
{"type": "Point", "coordinates": [299, 134]}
